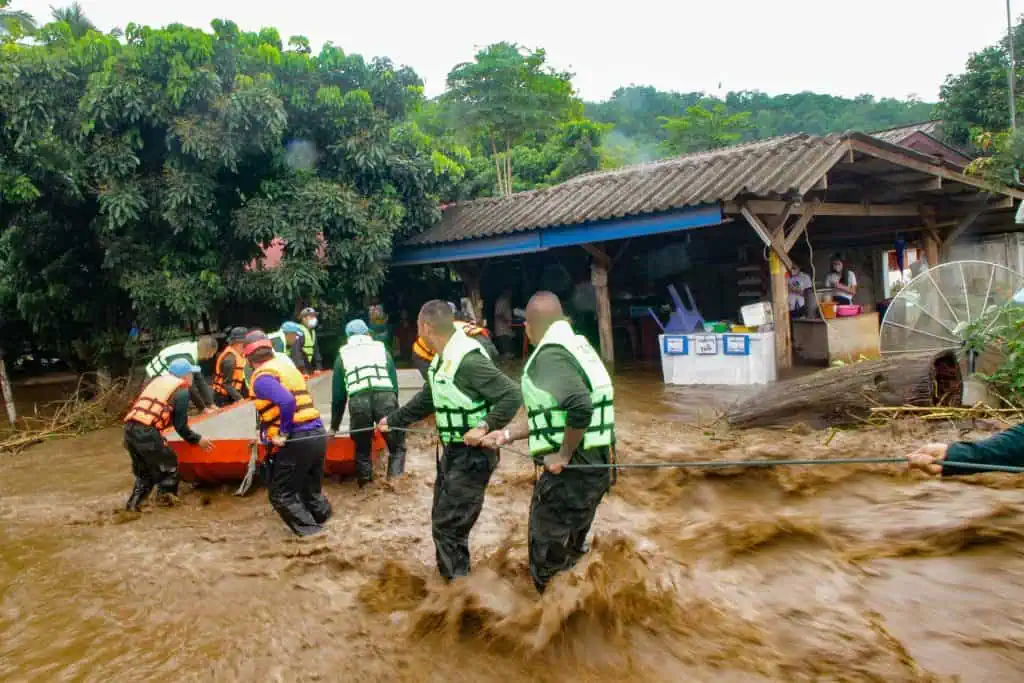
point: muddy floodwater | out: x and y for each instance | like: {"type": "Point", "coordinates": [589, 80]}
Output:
{"type": "Point", "coordinates": [801, 574]}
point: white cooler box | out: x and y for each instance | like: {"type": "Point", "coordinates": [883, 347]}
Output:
{"type": "Point", "coordinates": [718, 358]}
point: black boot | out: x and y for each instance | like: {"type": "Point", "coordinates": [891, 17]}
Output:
{"type": "Point", "coordinates": [396, 464]}
{"type": "Point", "coordinates": [138, 495]}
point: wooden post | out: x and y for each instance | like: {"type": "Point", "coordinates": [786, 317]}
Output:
{"type": "Point", "coordinates": [930, 236]}
{"type": "Point", "coordinates": [599, 267]}
{"type": "Point", "coordinates": [469, 273]}
{"type": "Point", "coordinates": [780, 313]}
{"type": "Point", "coordinates": [5, 390]}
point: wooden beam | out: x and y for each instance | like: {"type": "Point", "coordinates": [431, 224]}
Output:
{"type": "Point", "coordinates": [768, 206]}
{"type": "Point", "coordinates": [801, 225]}
{"type": "Point", "coordinates": [599, 278]}
{"type": "Point", "coordinates": [470, 274]}
{"type": "Point", "coordinates": [598, 253]}
{"type": "Point", "coordinates": [780, 313]}
{"type": "Point", "coordinates": [908, 161]}
{"type": "Point", "coordinates": [991, 205]}
{"type": "Point", "coordinates": [621, 252]}
{"type": "Point", "coordinates": [960, 229]}
{"type": "Point", "coordinates": [767, 237]}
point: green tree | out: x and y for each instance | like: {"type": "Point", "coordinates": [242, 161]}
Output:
{"type": "Point", "coordinates": [978, 99]}
{"type": "Point", "coordinates": [140, 179]}
{"type": "Point", "coordinates": [507, 96]}
{"type": "Point", "coordinates": [75, 18]}
{"type": "Point", "coordinates": [703, 128]}
{"type": "Point", "coordinates": [14, 24]}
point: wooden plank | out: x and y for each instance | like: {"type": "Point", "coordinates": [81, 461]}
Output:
{"type": "Point", "coordinates": [780, 313]}
{"type": "Point", "coordinates": [599, 278]}
{"type": "Point", "coordinates": [908, 161]}
{"type": "Point", "coordinates": [767, 206]}
{"type": "Point", "coordinates": [801, 225]}
{"type": "Point", "coordinates": [767, 237]}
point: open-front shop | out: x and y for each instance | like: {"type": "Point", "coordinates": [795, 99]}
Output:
{"type": "Point", "coordinates": [655, 263]}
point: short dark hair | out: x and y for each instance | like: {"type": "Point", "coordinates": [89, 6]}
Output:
{"type": "Point", "coordinates": [438, 315]}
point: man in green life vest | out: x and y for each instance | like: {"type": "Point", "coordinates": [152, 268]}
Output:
{"type": "Point", "coordinates": [365, 378]}
{"type": "Point", "coordinates": [204, 348]}
{"type": "Point", "coordinates": [310, 347]}
{"type": "Point", "coordinates": [469, 397]}
{"type": "Point", "coordinates": [568, 396]}
{"type": "Point", "coordinates": [290, 341]}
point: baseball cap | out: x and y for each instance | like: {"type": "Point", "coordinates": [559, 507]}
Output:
{"type": "Point", "coordinates": [237, 334]}
{"type": "Point", "coordinates": [291, 327]}
{"type": "Point", "coordinates": [181, 367]}
{"type": "Point", "coordinates": [355, 327]}
{"type": "Point", "coordinates": [309, 310]}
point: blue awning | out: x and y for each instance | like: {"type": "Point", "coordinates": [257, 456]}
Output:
{"type": "Point", "coordinates": [560, 236]}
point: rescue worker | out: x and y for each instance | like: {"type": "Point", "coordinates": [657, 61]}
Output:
{"type": "Point", "coordinates": [290, 426]}
{"type": "Point", "coordinates": [193, 351]}
{"type": "Point", "coordinates": [310, 347]}
{"type": "Point", "coordinates": [568, 396]}
{"type": "Point", "coordinates": [163, 402]}
{"type": "Point", "coordinates": [289, 340]}
{"type": "Point", "coordinates": [422, 354]}
{"type": "Point", "coordinates": [469, 398]}
{"type": "Point", "coordinates": [365, 377]}
{"type": "Point", "coordinates": [229, 376]}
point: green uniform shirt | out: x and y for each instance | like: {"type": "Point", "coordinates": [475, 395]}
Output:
{"type": "Point", "coordinates": [480, 380]}
{"type": "Point", "coordinates": [339, 392]}
{"type": "Point", "coordinates": [556, 371]}
{"type": "Point", "coordinates": [1005, 448]}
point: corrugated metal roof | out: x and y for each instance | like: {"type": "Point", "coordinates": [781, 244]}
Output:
{"type": "Point", "coordinates": [776, 166]}
{"type": "Point", "coordinates": [901, 133]}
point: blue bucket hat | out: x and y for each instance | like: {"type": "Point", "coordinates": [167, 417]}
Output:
{"type": "Point", "coordinates": [355, 327]}
{"type": "Point", "coordinates": [181, 367]}
{"type": "Point", "coordinates": [291, 327]}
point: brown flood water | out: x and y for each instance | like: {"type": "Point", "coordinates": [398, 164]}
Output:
{"type": "Point", "coordinates": [799, 574]}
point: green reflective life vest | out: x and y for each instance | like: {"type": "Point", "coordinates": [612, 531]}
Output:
{"type": "Point", "coordinates": [161, 361]}
{"type": "Point", "coordinates": [278, 341]}
{"type": "Point", "coordinates": [308, 343]}
{"type": "Point", "coordinates": [366, 365]}
{"type": "Point", "coordinates": [454, 412]}
{"type": "Point", "coordinates": [546, 418]}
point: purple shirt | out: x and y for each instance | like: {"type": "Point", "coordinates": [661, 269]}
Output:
{"type": "Point", "coordinates": [268, 388]}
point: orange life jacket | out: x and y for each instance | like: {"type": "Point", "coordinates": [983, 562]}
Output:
{"type": "Point", "coordinates": [291, 379]}
{"type": "Point", "coordinates": [237, 379]}
{"type": "Point", "coordinates": [421, 349]}
{"type": "Point", "coordinates": [153, 406]}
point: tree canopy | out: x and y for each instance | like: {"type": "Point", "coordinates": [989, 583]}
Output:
{"type": "Point", "coordinates": [140, 178]}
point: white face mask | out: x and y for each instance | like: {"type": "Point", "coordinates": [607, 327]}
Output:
{"type": "Point", "coordinates": [311, 323]}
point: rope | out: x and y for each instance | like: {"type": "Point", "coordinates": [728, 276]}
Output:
{"type": "Point", "coordinates": [713, 464]}
{"type": "Point", "coordinates": [703, 464]}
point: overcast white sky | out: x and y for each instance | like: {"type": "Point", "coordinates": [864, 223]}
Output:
{"type": "Point", "coordinates": [889, 48]}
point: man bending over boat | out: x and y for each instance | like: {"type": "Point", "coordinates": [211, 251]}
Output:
{"type": "Point", "coordinates": [162, 402]}
{"type": "Point", "coordinates": [291, 427]}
